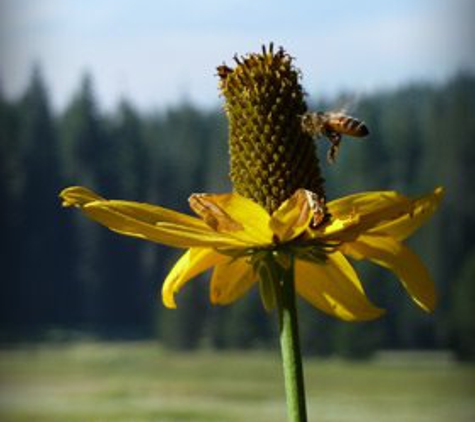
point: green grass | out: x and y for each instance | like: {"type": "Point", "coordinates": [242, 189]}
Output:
{"type": "Point", "coordinates": [143, 383]}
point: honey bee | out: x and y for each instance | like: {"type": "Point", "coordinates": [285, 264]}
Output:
{"type": "Point", "coordinates": [333, 125]}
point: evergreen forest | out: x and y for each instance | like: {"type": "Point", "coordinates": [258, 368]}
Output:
{"type": "Point", "coordinates": [64, 277]}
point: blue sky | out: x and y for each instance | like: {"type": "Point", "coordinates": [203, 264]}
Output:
{"type": "Point", "coordinates": [159, 53]}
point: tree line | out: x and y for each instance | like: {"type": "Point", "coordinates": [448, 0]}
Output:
{"type": "Point", "coordinates": [65, 276]}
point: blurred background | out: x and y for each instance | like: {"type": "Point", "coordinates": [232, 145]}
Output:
{"type": "Point", "coordinates": [122, 97]}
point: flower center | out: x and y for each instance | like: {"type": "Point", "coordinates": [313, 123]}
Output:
{"type": "Point", "coordinates": [271, 155]}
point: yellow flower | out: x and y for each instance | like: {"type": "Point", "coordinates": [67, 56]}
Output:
{"type": "Point", "coordinates": [232, 233]}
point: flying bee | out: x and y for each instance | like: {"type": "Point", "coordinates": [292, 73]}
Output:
{"type": "Point", "coordinates": [333, 125]}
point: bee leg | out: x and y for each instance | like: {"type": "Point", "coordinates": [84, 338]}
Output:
{"type": "Point", "coordinates": [335, 139]}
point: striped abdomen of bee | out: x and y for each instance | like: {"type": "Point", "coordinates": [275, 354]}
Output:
{"type": "Point", "coordinates": [345, 125]}
{"type": "Point", "coordinates": [333, 125]}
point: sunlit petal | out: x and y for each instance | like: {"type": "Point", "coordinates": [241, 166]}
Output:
{"type": "Point", "coordinates": [365, 202]}
{"type": "Point", "coordinates": [355, 214]}
{"type": "Point", "coordinates": [146, 221]}
{"type": "Point", "coordinates": [231, 280]}
{"type": "Point", "coordinates": [334, 288]}
{"type": "Point", "coordinates": [377, 211]}
{"type": "Point", "coordinates": [77, 196]}
{"type": "Point", "coordinates": [407, 266]}
{"type": "Point", "coordinates": [235, 215]}
{"type": "Point", "coordinates": [294, 215]}
{"type": "Point", "coordinates": [423, 208]}
{"type": "Point", "coordinates": [335, 227]}
{"type": "Point", "coordinates": [192, 262]}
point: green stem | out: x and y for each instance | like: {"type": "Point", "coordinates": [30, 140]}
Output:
{"type": "Point", "coordinates": [290, 346]}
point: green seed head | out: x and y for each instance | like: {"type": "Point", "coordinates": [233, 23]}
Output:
{"type": "Point", "coordinates": [271, 156]}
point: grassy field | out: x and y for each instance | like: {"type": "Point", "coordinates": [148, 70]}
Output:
{"type": "Point", "coordinates": [144, 383]}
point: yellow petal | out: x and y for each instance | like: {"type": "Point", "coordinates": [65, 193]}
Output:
{"type": "Point", "coordinates": [76, 196]}
{"type": "Point", "coordinates": [404, 263]}
{"type": "Point", "coordinates": [295, 215]}
{"type": "Point", "coordinates": [422, 209]}
{"type": "Point", "coordinates": [334, 288]}
{"type": "Point", "coordinates": [192, 262]}
{"type": "Point", "coordinates": [387, 212]}
{"type": "Point", "coordinates": [213, 215]}
{"type": "Point", "coordinates": [231, 280]}
{"type": "Point", "coordinates": [235, 215]}
{"type": "Point", "coordinates": [335, 227]}
{"type": "Point", "coordinates": [147, 221]}
{"type": "Point", "coordinates": [355, 214]}
{"type": "Point", "coordinates": [365, 203]}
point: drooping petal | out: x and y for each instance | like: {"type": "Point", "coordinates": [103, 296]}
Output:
{"type": "Point", "coordinates": [235, 215]}
{"type": "Point", "coordinates": [295, 215]}
{"type": "Point", "coordinates": [192, 263]}
{"type": "Point", "coordinates": [77, 196]}
{"type": "Point", "coordinates": [404, 263]}
{"type": "Point", "coordinates": [422, 209]}
{"type": "Point", "coordinates": [337, 227]}
{"type": "Point", "coordinates": [365, 202]}
{"type": "Point", "coordinates": [231, 280]}
{"type": "Point", "coordinates": [334, 288]}
{"type": "Point", "coordinates": [387, 212]}
{"type": "Point", "coordinates": [146, 221]}
{"type": "Point", "coordinates": [355, 214]}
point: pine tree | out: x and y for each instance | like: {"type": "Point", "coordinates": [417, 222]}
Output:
{"type": "Point", "coordinates": [461, 316]}
{"type": "Point", "coordinates": [44, 299]}
{"type": "Point", "coordinates": [124, 297]}
{"type": "Point", "coordinates": [11, 192]}
{"type": "Point", "coordinates": [86, 154]}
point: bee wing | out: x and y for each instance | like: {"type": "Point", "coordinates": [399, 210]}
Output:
{"type": "Point", "coordinates": [346, 104]}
